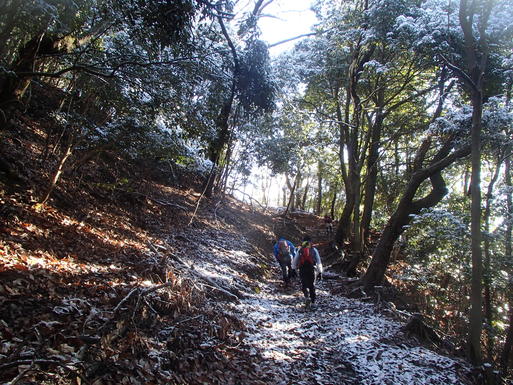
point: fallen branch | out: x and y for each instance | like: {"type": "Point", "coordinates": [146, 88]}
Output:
{"type": "Point", "coordinates": [124, 300]}
{"type": "Point", "coordinates": [153, 199]}
{"type": "Point", "coordinates": [22, 374]}
{"type": "Point", "coordinates": [169, 204]}
{"type": "Point", "coordinates": [142, 292]}
{"type": "Point", "coordinates": [42, 362]}
{"type": "Point", "coordinates": [202, 193]}
{"type": "Point", "coordinates": [216, 287]}
{"type": "Point", "coordinates": [199, 275]}
{"type": "Point", "coordinates": [251, 199]}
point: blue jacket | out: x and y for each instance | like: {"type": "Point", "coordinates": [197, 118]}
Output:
{"type": "Point", "coordinates": [291, 246]}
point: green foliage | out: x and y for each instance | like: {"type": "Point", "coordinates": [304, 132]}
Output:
{"type": "Point", "coordinates": [440, 237]}
{"type": "Point", "coordinates": [158, 24]}
{"type": "Point", "coordinates": [256, 89]}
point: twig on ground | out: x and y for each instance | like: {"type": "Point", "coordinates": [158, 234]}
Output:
{"type": "Point", "coordinates": [169, 204]}
{"type": "Point", "coordinates": [251, 199]}
{"type": "Point", "coordinates": [43, 362]}
{"type": "Point", "coordinates": [199, 275]}
{"type": "Point", "coordinates": [22, 374]}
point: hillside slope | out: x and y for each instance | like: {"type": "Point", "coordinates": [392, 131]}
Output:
{"type": "Point", "coordinates": [117, 279]}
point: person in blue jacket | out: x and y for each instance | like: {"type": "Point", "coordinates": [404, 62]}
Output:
{"type": "Point", "coordinates": [284, 251]}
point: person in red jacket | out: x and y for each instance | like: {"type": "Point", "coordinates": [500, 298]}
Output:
{"type": "Point", "coordinates": [308, 261]}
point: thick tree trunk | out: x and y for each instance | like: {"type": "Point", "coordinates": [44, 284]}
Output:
{"type": "Point", "coordinates": [217, 146]}
{"type": "Point", "coordinates": [344, 224]}
{"type": "Point", "coordinates": [407, 206]}
{"type": "Point", "coordinates": [476, 299]}
{"type": "Point", "coordinates": [290, 206]}
{"type": "Point", "coordinates": [356, 239]}
{"type": "Point", "coordinates": [352, 189]}
{"type": "Point", "coordinates": [14, 84]}
{"type": "Point", "coordinates": [372, 175]}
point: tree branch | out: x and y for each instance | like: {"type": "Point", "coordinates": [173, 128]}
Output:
{"type": "Point", "coordinates": [459, 72]}
{"type": "Point", "coordinates": [292, 39]}
{"type": "Point", "coordinates": [230, 44]}
{"type": "Point", "coordinates": [96, 71]}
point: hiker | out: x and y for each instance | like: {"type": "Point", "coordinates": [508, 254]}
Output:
{"type": "Point", "coordinates": [308, 261]}
{"type": "Point", "coordinates": [328, 222]}
{"type": "Point", "coordinates": [284, 251]}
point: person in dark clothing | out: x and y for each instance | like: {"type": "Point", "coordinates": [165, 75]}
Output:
{"type": "Point", "coordinates": [308, 261]}
{"type": "Point", "coordinates": [284, 251]}
{"type": "Point", "coordinates": [328, 222]}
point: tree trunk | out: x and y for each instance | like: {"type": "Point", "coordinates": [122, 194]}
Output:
{"type": "Point", "coordinates": [333, 201]}
{"type": "Point", "coordinates": [476, 50]}
{"type": "Point", "coordinates": [292, 192]}
{"type": "Point", "coordinates": [476, 299]}
{"type": "Point", "coordinates": [407, 206]}
{"type": "Point", "coordinates": [292, 188]}
{"type": "Point", "coordinates": [506, 350]}
{"type": "Point", "coordinates": [227, 170]}
{"type": "Point", "coordinates": [222, 121]}
{"type": "Point", "coordinates": [217, 146]}
{"type": "Point", "coordinates": [350, 130]}
{"type": "Point", "coordinates": [319, 188]}
{"type": "Point", "coordinates": [58, 172]}
{"type": "Point", "coordinates": [305, 195]}
{"type": "Point", "coordinates": [344, 224]}
{"type": "Point", "coordinates": [372, 175]}
{"type": "Point", "coordinates": [488, 306]}
{"type": "Point", "coordinates": [13, 86]}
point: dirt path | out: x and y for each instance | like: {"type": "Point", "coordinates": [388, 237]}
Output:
{"type": "Point", "coordinates": [342, 341]}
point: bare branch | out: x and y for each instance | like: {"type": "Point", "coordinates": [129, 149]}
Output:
{"type": "Point", "coordinates": [97, 72]}
{"type": "Point", "coordinates": [292, 39]}
{"type": "Point", "coordinates": [459, 72]}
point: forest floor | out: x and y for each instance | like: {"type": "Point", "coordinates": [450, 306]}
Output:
{"type": "Point", "coordinates": [116, 281]}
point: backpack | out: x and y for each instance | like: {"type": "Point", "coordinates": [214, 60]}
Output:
{"type": "Point", "coordinates": [283, 248]}
{"type": "Point", "coordinates": [306, 256]}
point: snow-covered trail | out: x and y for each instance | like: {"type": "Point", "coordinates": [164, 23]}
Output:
{"type": "Point", "coordinates": [342, 341]}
